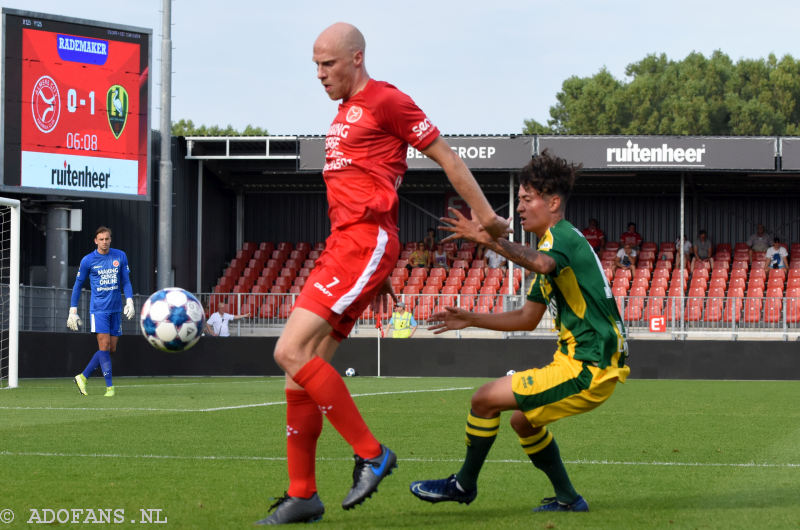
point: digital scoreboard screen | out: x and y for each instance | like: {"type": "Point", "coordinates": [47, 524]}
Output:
{"type": "Point", "coordinates": [76, 100]}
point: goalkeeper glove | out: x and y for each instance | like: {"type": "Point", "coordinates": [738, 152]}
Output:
{"type": "Point", "coordinates": [128, 311]}
{"type": "Point", "coordinates": [73, 321]}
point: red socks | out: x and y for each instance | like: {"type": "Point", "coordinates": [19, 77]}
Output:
{"type": "Point", "coordinates": [326, 387]}
{"type": "Point", "coordinates": [303, 426]}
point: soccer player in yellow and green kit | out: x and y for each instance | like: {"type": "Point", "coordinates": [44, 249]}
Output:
{"type": "Point", "coordinates": [591, 353]}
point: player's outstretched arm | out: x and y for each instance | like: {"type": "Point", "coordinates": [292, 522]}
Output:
{"type": "Point", "coordinates": [523, 319]}
{"type": "Point", "coordinates": [465, 184]}
{"type": "Point", "coordinates": [531, 259]}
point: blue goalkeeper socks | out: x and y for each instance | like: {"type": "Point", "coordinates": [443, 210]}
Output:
{"type": "Point", "coordinates": [105, 365]}
{"type": "Point", "coordinates": [93, 364]}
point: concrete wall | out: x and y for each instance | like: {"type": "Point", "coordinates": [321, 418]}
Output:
{"type": "Point", "coordinates": [65, 354]}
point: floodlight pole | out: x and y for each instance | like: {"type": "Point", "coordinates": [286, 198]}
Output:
{"type": "Point", "coordinates": [164, 278]}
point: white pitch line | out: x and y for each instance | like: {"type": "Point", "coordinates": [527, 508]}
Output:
{"type": "Point", "coordinates": [217, 409]}
{"type": "Point", "coordinates": [419, 460]}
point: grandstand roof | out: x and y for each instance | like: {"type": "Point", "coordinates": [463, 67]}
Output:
{"type": "Point", "coordinates": [611, 164]}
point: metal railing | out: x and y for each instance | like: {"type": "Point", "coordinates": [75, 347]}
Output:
{"type": "Point", "coordinates": [45, 309]}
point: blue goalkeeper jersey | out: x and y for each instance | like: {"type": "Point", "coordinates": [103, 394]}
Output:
{"type": "Point", "coordinates": [108, 275]}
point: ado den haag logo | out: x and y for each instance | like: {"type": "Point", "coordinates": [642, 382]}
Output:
{"type": "Point", "coordinates": [117, 109]}
{"type": "Point", "coordinates": [45, 104]}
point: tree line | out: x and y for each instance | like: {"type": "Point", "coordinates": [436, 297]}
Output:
{"type": "Point", "coordinates": [185, 127]}
{"type": "Point", "coordinates": [695, 96]}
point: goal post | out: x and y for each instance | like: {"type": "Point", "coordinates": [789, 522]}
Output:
{"type": "Point", "coordinates": [9, 292]}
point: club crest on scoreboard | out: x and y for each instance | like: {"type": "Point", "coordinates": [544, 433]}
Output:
{"type": "Point", "coordinates": [117, 109]}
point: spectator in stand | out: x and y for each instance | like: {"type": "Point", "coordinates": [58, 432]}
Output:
{"type": "Point", "coordinates": [687, 251]}
{"type": "Point", "coordinates": [430, 240]}
{"type": "Point", "coordinates": [759, 242]}
{"type": "Point", "coordinates": [626, 259]}
{"type": "Point", "coordinates": [701, 250]}
{"type": "Point", "coordinates": [595, 236]}
{"type": "Point", "coordinates": [441, 257]}
{"type": "Point", "coordinates": [493, 259]}
{"type": "Point", "coordinates": [776, 255]}
{"type": "Point", "coordinates": [217, 324]}
{"type": "Point", "coordinates": [420, 257]}
{"type": "Point", "coordinates": [631, 236]}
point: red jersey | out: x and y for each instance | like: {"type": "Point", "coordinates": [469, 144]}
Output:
{"type": "Point", "coordinates": [594, 236]}
{"type": "Point", "coordinates": [632, 238]}
{"type": "Point", "coordinates": [365, 154]}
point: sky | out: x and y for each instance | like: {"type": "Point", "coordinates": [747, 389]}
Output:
{"type": "Point", "coordinates": [474, 67]}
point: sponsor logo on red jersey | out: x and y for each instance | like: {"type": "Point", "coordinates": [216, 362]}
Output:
{"type": "Point", "coordinates": [354, 114]}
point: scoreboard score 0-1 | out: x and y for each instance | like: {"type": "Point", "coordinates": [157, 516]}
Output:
{"type": "Point", "coordinates": [76, 104]}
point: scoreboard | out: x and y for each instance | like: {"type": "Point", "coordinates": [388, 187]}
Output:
{"type": "Point", "coordinates": [76, 101]}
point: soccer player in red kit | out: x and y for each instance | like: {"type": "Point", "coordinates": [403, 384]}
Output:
{"type": "Point", "coordinates": [365, 160]}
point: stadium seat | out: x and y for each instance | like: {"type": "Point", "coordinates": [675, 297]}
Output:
{"type": "Point", "coordinates": [647, 255]}
{"type": "Point", "coordinates": [634, 309]}
{"type": "Point", "coordinates": [496, 273]}
{"type": "Point", "coordinates": [421, 272]}
{"type": "Point", "coordinates": [299, 281]}
{"type": "Point", "coordinates": [752, 310]}
{"type": "Point", "coordinates": [793, 309]}
{"type": "Point", "coordinates": [283, 282]}
{"type": "Point", "coordinates": [475, 273]}
{"type": "Point", "coordinates": [450, 290]}
{"type": "Point", "coordinates": [649, 246]}
{"type": "Point", "coordinates": [733, 309]}
{"type": "Point", "coordinates": [459, 264]}
{"type": "Point", "coordinates": [773, 310]}
{"type": "Point", "coordinates": [400, 272]}
{"type": "Point", "coordinates": [438, 272]}
{"type": "Point", "coordinates": [655, 307]}
{"type": "Point", "coordinates": [673, 309]}
{"type": "Point", "coordinates": [397, 283]}
{"type": "Point", "coordinates": [658, 290]}
{"type": "Point", "coordinates": [472, 281]}
{"type": "Point", "coordinates": [492, 282]}
{"type": "Point", "coordinates": [416, 281]}
{"type": "Point", "coordinates": [694, 309]}
{"type": "Point", "coordinates": [267, 246]}
{"type": "Point", "coordinates": [775, 283]}
{"type": "Point", "coordinates": [435, 281]}
{"type": "Point", "coordinates": [457, 272]}
{"type": "Point", "coordinates": [718, 282]}
{"type": "Point", "coordinates": [455, 281]}
{"type": "Point", "coordinates": [737, 282]}
{"type": "Point", "coordinates": [714, 310]}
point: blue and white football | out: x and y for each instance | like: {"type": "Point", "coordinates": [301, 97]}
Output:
{"type": "Point", "coordinates": [172, 320]}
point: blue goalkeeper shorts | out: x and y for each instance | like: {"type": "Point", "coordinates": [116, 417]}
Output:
{"type": "Point", "coordinates": [110, 323]}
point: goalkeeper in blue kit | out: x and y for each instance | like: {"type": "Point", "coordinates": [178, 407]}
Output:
{"type": "Point", "coordinates": [107, 271]}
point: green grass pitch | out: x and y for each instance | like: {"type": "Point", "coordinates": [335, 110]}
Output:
{"type": "Point", "coordinates": [209, 453]}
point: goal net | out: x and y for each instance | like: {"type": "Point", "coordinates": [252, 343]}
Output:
{"type": "Point", "coordinates": [9, 292]}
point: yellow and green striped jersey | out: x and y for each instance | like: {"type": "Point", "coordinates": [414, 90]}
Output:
{"type": "Point", "coordinates": [580, 299]}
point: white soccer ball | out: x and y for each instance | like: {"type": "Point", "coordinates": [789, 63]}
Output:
{"type": "Point", "coordinates": [172, 319]}
{"type": "Point", "coordinates": [350, 372]}
{"type": "Point", "coordinates": [511, 372]}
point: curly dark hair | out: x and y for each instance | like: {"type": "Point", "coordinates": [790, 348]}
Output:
{"type": "Point", "coordinates": [549, 175]}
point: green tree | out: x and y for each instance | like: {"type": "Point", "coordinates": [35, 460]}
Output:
{"type": "Point", "coordinates": [694, 96]}
{"type": "Point", "coordinates": [185, 127]}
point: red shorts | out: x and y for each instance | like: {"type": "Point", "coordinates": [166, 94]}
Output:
{"type": "Point", "coordinates": [343, 282]}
